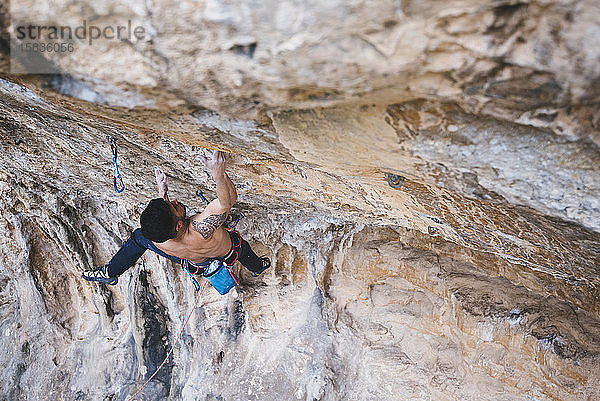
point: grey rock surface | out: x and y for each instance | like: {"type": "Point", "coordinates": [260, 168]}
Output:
{"type": "Point", "coordinates": [475, 279]}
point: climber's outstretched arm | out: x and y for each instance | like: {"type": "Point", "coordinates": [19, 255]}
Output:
{"type": "Point", "coordinates": [215, 214]}
{"type": "Point", "coordinates": [226, 193]}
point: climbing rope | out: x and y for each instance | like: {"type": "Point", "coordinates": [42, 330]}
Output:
{"type": "Point", "coordinates": [117, 180]}
{"type": "Point", "coordinates": [174, 344]}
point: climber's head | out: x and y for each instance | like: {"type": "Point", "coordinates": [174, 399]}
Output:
{"type": "Point", "coordinates": [161, 220]}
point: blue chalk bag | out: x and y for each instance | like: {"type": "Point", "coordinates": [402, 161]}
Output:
{"type": "Point", "coordinates": [220, 276]}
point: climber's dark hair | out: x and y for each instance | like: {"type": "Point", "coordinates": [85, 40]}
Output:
{"type": "Point", "coordinates": [157, 221]}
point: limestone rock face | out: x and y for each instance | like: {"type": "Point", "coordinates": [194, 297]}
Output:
{"type": "Point", "coordinates": [475, 277]}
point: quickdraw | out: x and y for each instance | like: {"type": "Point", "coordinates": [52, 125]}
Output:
{"type": "Point", "coordinates": [117, 180]}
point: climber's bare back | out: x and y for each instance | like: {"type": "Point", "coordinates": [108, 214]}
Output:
{"type": "Point", "coordinates": [202, 235]}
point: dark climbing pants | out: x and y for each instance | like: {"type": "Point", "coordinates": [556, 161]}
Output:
{"type": "Point", "coordinates": [136, 245]}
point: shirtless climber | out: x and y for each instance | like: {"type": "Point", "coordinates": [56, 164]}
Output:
{"type": "Point", "coordinates": [192, 241]}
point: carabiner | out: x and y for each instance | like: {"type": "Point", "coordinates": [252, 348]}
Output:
{"type": "Point", "coordinates": [117, 180]}
{"type": "Point", "coordinates": [119, 186]}
{"type": "Point", "coordinates": [113, 146]}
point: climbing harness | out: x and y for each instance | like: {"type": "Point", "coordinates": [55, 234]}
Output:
{"type": "Point", "coordinates": [117, 180]}
{"type": "Point", "coordinates": [185, 264]}
{"type": "Point", "coordinates": [217, 271]}
{"type": "Point", "coordinates": [199, 291]}
{"type": "Point", "coordinates": [196, 285]}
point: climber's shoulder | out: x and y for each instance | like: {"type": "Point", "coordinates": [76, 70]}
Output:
{"type": "Point", "coordinates": [208, 221]}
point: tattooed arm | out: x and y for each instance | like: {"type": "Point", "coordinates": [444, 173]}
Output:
{"type": "Point", "coordinates": [207, 225]}
{"type": "Point", "coordinates": [216, 212]}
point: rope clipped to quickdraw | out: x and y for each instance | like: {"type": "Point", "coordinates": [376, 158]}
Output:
{"type": "Point", "coordinates": [117, 180]}
{"type": "Point", "coordinates": [199, 291]}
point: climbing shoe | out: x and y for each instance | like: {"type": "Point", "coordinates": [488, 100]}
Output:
{"type": "Point", "coordinates": [99, 275]}
{"type": "Point", "coordinates": [266, 263]}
